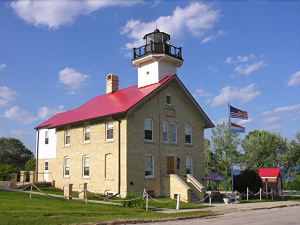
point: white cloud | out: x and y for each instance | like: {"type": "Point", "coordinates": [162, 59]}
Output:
{"type": "Point", "coordinates": [46, 112]}
{"type": "Point", "coordinates": [213, 37]}
{"type": "Point", "coordinates": [200, 92]}
{"type": "Point", "coordinates": [53, 14]}
{"type": "Point", "coordinates": [228, 93]}
{"type": "Point", "coordinates": [18, 133]}
{"type": "Point", "coordinates": [278, 115]}
{"type": "Point", "coordinates": [249, 68]}
{"type": "Point", "coordinates": [72, 79]}
{"type": "Point", "coordinates": [245, 64]}
{"type": "Point", "coordinates": [249, 120]}
{"type": "Point", "coordinates": [197, 18]}
{"type": "Point", "coordinates": [6, 95]}
{"type": "Point", "coordinates": [295, 79]}
{"type": "Point", "coordinates": [16, 113]}
{"type": "Point", "coordinates": [2, 66]}
{"type": "Point", "coordinates": [222, 121]}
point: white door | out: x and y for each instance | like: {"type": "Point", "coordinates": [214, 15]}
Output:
{"type": "Point", "coordinates": [46, 171]}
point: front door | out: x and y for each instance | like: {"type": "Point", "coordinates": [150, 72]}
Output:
{"type": "Point", "coordinates": [170, 165]}
{"type": "Point", "coordinates": [46, 171]}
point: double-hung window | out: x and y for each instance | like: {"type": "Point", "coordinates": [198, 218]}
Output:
{"type": "Point", "coordinates": [189, 165]}
{"type": "Point", "coordinates": [46, 137]}
{"type": "Point", "coordinates": [66, 167]}
{"type": "Point", "coordinates": [109, 130]}
{"type": "Point", "coordinates": [86, 166]}
{"type": "Point", "coordinates": [67, 137]}
{"type": "Point", "coordinates": [188, 134]}
{"type": "Point", "coordinates": [86, 133]}
{"type": "Point", "coordinates": [173, 131]}
{"type": "Point", "coordinates": [165, 132]}
{"type": "Point", "coordinates": [149, 166]}
{"type": "Point", "coordinates": [148, 129]}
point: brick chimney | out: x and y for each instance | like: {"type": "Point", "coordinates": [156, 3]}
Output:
{"type": "Point", "coordinates": [112, 83]}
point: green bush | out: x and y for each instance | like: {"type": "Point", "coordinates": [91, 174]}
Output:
{"type": "Point", "coordinates": [5, 170]}
{"type": "Point", "coordinates": [135, 202]}
{"type": "Point", "coordinates": [293, 185]}
{"type": "Point", "coordinates": [248, 178]}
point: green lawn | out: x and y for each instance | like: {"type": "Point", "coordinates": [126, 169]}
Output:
{"type": "Point", "coordinates": [18, 208]}
{"type": "Point", "coordinates": [166, 202]}
{"type": "Point", "coordinates": [171, 204]}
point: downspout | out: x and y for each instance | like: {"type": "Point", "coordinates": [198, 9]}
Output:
{"type": "Point", "coordinates": [37, 156]}
{"type": "Point", "coordinates": [119, 156]}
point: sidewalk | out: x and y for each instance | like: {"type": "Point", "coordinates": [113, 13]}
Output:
{"type": "Point", "coordinates": [223, 208]}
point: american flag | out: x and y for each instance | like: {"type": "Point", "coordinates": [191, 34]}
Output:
{"type": "Point", "coordinates": [235, 128]}
{"type": "Point", "coordinates": [238, 113]}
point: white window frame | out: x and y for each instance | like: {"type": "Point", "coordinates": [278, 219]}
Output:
{"type": "Point", "coordinates": [46, 137]}
{"type": "Point", "coordinates": [168, 95]}
{"type": "Point", "coordinates": [165, 132]}
{"type": "Point", "coordinates": [188, 128]}
{"type": "Point", "coordinates": [83, 166]}
{"type": "Point", "coordinates": [151, 120]}
{"type": "Point", "coordinates": [152, 166]}
{"type": "Point", "coordinates": [86, 130]}
{"type": "Point", "coordinates": [67, 130]}
{"type": "Point", "coordinates": [186, 164]}
{"type": "Point", "coordinates": [172, 133]}
{"type": "Point", "coordinates": [109, 126]}
{"type": "Point", "coordinates": [66, 166]}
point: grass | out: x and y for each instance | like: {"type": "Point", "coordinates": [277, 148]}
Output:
{"type": "Point", "coordinates": [167, 202]}
{"type": "Point", "coordinates": [257, 201]}
{"type": "Point", "coordinates": [171, 204]}
{"type": "Point", "coordinates": [18, 208]}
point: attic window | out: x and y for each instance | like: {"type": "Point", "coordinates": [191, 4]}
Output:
{"type": "Point", "coordinates": [168, 99]}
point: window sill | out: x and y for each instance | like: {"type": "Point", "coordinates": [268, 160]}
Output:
{"type": "Point", "coordinates": [109, 140]}
{"type": "Point", "coordinates": [85, 178]}
{"type": "Point", "coordinates": [149, 142]}
{"type": "Point", "coordinates": [109, 179]}
{"type": "Point", "coordinates": [67, 177]}
{"type": "Point", "coordinates": [67, 146]}
{"type": "Point", "coordinates": [86, 142]}
{"type": "Point", "coordinates": [150, 178]}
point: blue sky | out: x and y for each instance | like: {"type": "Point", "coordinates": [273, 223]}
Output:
{"type": "Point", "coordinates": [54, 56]}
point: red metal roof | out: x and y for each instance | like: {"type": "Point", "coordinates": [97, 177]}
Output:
{"type": "Point", "coordinates": [268, 172]}
{"type": "Point", "coordinates": [104, 105]}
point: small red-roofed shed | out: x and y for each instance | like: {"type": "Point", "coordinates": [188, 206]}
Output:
{"type": "Point", "coordinates": [272, 179]}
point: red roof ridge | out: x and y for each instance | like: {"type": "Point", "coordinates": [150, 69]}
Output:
{"type": "Point", "coordinates": [104, 105]}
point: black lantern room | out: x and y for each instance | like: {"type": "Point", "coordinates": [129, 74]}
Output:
{"type": "Point", "coordinates": [157, 43]}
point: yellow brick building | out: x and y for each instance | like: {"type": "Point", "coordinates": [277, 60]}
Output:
{"type": "Point", "coordinates": [148, 136]}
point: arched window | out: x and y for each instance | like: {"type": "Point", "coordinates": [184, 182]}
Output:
{"type": "Point", "coordinates": [148, 129]}
{"type": "Point", "coordinates": [188, 134]}
{"type": "Point", "coordinates": [85, 166]}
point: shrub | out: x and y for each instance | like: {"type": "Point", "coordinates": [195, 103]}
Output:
{"type": "Point", "coordinates": [293, 185]}
{"type": "Point", "coordinates": [6, 170]}
{"type": "Point", "coordinates": [247, 178]}
{"type": "Point", "coordinates": [135, 202]}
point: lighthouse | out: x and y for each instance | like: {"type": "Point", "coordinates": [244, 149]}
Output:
{"type": "Point", "coordinates": [156, 59]}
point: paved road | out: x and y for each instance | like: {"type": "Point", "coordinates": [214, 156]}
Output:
{"type": "Point", "coordinates": [277, 216]}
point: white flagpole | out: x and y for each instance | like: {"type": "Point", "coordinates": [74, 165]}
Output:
{"type": "Point", "coordinates": [230, 139]}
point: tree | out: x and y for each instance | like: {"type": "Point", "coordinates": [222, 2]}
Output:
{"type": "Point", "coordinates": [13, 152]}
{"type": "Point", "coordinates": [224, 148]}
{"type": "Point", "coordinates": [263, 149]}
{"type": "Point", "coordinates": [248, 178]}
{"type": "Point", "coordinates": [211, 161]}
{"type": "Point", "coordinates": [30, 165]}
{"type": "Point", "coordinates": [291, 157]}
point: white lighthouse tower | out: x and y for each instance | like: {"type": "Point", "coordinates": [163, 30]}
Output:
{"type": "Point", "coordinates": [156, 59]}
